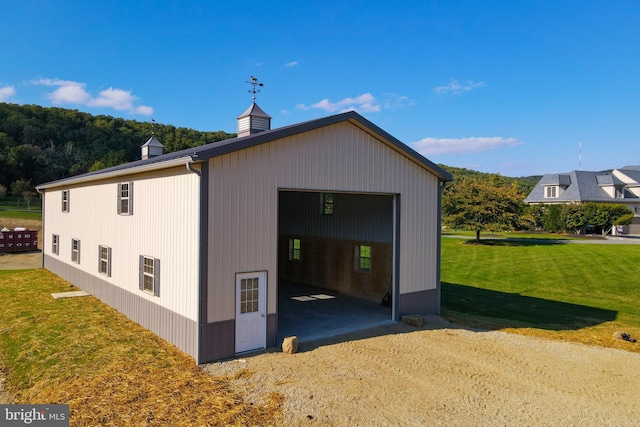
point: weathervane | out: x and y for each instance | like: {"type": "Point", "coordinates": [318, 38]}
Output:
{"type": "Point", "coordinates": [254, 82]}
{"type": "Point", "coordinates": [153, 127]}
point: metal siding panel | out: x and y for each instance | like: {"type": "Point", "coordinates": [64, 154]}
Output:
{"type": "Point", "coordinates": [340, 157]}
{"type": "Point", "coordinates": [171, 326]}
{"type": "Point", "coordinates": [164, 225]}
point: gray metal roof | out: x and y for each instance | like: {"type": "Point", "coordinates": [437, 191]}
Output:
{"type": "Point", "coordinates": [556, 179]}
{"type": "Point", "coordinates": [254, 110]}
{"type": "Point", "coordinates": [608, 179]}
{"type": "Point", "coordinates": [585, 186]}
{"type": "Point", "coordinates": [152, 142]}
{"type": "Point", "coordinates": [207, 151]}
{"type": "Point", "coordinates": [632, 172]}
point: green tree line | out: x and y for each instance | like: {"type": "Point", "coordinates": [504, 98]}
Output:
{"type": "Point", "coordinates": [40, 144]}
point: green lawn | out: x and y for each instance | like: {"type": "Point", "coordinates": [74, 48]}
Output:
{"type": "Point", "coordinates": [9, 208]}
{"type": "Point", "coordinates": [576, 290]}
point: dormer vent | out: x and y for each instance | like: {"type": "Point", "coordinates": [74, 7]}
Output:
{"type": "Point", "coordinates": [152, 148]}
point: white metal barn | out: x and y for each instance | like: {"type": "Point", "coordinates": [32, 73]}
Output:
{"type": "Point", "coordinates": [193, 244]}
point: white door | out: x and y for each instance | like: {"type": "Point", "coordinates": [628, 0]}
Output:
{"type": "Point", "coordinates": [251, 311]}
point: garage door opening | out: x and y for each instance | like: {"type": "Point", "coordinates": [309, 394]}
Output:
{"type": "Point", "coordinates": [335, 262]}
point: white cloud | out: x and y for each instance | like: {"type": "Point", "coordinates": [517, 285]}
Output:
{"type": "Point", "coordinates": [144, 110]}
{"type": "Point", "coordinates": [291, 64]}
{"type": "Point", "coordinates": [70, 92]}
{"type": "Point", "coordinates": [6, 93]}
{"type": "Point", "coordinates": [394, 101]}
{"type": "Point", "coordinates": [117, 99]}
{"type": "Point", "coordinates": [434, 146]}
{"type": "Point", "coordinates": [456, 88]}
{"type": "Point", "coordinates": [365, 103]}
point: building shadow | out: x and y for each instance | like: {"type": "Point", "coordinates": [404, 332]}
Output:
{"type": "Point", "coordinates": [515, 242]}
{"type": "Point", "coordinates": [516, 311]}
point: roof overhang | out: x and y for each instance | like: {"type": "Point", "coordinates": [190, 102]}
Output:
{"type": "Point", "coordinates": [81, 179]}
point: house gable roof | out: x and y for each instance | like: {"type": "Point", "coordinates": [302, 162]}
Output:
{"type": "Point", "coordinates": [585, 186]}
{"type": "Point", "coordinates": [207, 151]}
{"type": "Point", "coordinates": [633, 173]}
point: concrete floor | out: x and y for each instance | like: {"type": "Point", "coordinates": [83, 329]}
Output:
{"type": "Point", "coordinates": [311, 313]}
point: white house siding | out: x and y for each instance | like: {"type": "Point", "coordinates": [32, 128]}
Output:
{"type": "Point", "coordinates": [243, 203]}
{"type": "Point", "coordinates": [164, 225]}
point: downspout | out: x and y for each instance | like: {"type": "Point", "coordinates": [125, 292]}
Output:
{"type": "Point", "coordinates": [202, 256]}
{"type": "Point", "coordinates": [442, 185]}
{"type": "Point", "coordinates": [41, 193]}
{"type": "Point", "coordinates": [189, 165]}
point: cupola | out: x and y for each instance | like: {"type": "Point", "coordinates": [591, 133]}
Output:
{"type": "Point", "coordinates": [152, 148]}
{"type": "Point", "coordinates": [253, 120]}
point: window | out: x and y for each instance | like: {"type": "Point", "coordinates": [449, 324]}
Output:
{"type": "Point", "coordinates": [619, 192]}
{"type": "Point", "coordinates": [125, 198]}
{"type": "Point", "coordinates": [104, 260]}
{"type": "Point", "coordinates": [150, 275]}
{"type": "Point", "coordinates": [294, 249]}
{"type": "Point", "coordinates": [249, 295]}
{"type": "Point", "coordinates": [55, 244]}
{"type": "Point", "coordinates": [65, 200]}
{"type": "Point", "coordinates": [327, 203]}
{"type": "Point", "coordinates": [363, 258]}
{"type": "Point", "coordinates": [75, 251]}
{"type": "Point", "coordinates": [551, 192]}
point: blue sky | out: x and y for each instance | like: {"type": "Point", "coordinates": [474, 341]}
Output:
{"type": "Point", "coordinates": [511, 87]}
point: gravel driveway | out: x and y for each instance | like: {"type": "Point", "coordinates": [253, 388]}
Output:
{"type": "Point", "coordinates": [445, 375]}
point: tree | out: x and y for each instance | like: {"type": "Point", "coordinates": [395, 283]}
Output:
{"type": "Point", "coordinates": [28, 196]}
{"type": "Point", "coordinates": [573, 217]}
{"type": "Point", "coordinates": [3, 191]}
{"type": "Point", "coordinates": [475, 204]}
{"type": "Point", "coordinates": [553, 219]}
{"type": "Point", "coordinates": [604, 215]}
{"type": "Point", "coordinates": [532, 217]}
{"type": "Point", "coordinates": [19, 187]}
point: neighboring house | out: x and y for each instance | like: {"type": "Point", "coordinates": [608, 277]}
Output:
{"type": "Point", "coordinates": [194, 245]}
{"type": "Point", "coordinates": [618, 186]}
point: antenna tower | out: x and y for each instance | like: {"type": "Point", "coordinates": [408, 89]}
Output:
{"type": "Point", "coordinates": [255, 86]}
{"type": "Point", "coordinates": [580, 157]}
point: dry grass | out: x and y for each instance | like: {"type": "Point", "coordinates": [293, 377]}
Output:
{"type": "Point", "coordinates": [599, 335]}
{"type": "Point", "coordinates": [110, 370]}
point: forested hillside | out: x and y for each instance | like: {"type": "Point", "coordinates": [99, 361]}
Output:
{"type": "Point", "coordinates": [40, 144]}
